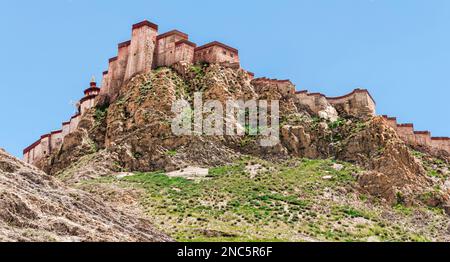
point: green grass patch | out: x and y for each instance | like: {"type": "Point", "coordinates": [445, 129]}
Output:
{"type": "Point", "coordinates": [279, 203]}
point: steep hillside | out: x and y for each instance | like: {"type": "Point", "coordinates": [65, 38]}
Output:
{"type": "Point", "coordinates": [384, 183]}
{"type": "Point", "coordinates": [36, 207]}
{"type": "Point", "coordinates": [255, 200]}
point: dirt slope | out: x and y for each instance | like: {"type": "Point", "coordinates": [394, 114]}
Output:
{"type": "Point", "coordinates": [36, 207]}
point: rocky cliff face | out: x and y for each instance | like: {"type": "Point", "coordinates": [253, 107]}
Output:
{"type": "Point", "coordinates": [134, 134]}
{"type": "Point", "coordinates": [37, 207]}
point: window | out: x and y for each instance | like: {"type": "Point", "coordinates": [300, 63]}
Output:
{"type": "Point", "coordinates": [232, 55]}
{"type": "Point", "coordinates": [224, 52]}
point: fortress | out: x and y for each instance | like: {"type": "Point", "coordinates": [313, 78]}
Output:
{"type": "Point", "coordinates": [149, 50]}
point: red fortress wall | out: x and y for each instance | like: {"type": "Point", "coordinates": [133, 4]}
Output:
{"type": "Point", "coordinates": [418, 138]}
{"type": "Point", "coordinates": [216, 53]}
{"type": "Point", "coordinates": [49, 142]}
{"type": "Point", "coordinates": [358, 102]}
{"type": "Point", "coordinates": [145, 51]}
{"type": "Point", "coordinates": [148, 50]}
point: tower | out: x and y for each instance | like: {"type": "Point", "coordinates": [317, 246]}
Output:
{"type": "Point", "coordinates": [142, 49]}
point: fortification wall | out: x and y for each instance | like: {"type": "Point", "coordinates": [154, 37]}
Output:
{"type": "Point", "coordinates": [318, 104]}
{"type": "Point", "coordinates": [423, 138]}
{"type": "Point", "coordinates": [104, 94]}
{"type": "Point", "coordinates": [184, 52]}
{"type": "Point", "coordinates": [165, 54]}
{"type": "Point", "coordinates": [74, 123]}
{"type": "Point", "coordinates": [392, 122]}
{"type": "Point", "coordinates": [33, 152]}
{"type": "Point", "coordinates": [37, 151]}
{"type": "Point", "coordinates": [26, 157]}
{"type": "Point", "coordinates": [358, 103]}
{"type": "Point", "coordinates": [406, 133]}
{"type": "Point", "coordinates": [87, 103]}
{"type": "Point", "coordinates": [113, 69]}
{"type": "Point", "coordinates": [65, 129]}
{"type": "Point", "coordinates": [48, 143]}
{"type": "Point", "coordinates": [45, 145]}
{"type": "Point", "coordinates": [29, 152]}
{"type": "Point", "coordinates": [442, 143]}
{"type": "Point", "coordinates": [417, 138]}
{"type": "Point", "coordinates": [284, 87]}
{"type": "Point", "coordinates": [55, 139]}
{"type": "Point", "coordinates": [146, 50]}
{"type": "Point", "coordinates": [251, 75]}
{"type": "Point", "coordinates": [216, 53]}
{"type": "Point", "coordinates": [120, 71]}
{"type": "Point", "coordinates": [142, 49]}
{"type": "Point", "coordinates": [315, 101]}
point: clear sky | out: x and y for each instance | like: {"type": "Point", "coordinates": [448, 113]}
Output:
{"type": "Point", "coordinates": [398, 49]}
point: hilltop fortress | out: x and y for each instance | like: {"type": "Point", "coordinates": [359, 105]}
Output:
{"type": "Point", "coordinates": [148, 50]}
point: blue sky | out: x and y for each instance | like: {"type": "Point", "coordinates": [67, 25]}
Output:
{"type": "Point", "coordinates": [399, 50]}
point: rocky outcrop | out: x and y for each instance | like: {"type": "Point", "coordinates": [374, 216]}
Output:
{"type": "Point", "coordinates": [135, 132]}
{"type": "Point", "coordinates": [36, 207]}
{"type": "Point", "coordinates": [394, 169]}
